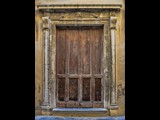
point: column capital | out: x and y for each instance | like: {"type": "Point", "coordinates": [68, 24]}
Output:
{"type": "Point", "coordinates": [113, 21]}
{"type": "Point", "coordinates": [46, 23]}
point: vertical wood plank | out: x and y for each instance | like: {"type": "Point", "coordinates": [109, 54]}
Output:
{"type": "Point", "coordinates": [85, 51]}
{"type": "Point", "coordinates": [91, 37]}
{"type": "Point", "coordinates": [67, 64]}
{"type": "Point", "coordinates": [91, 65]}
{"type": "Point", "coordinates": [96, 50]}
{"type": "Point", "coordinates": [80, 64]}
{"type": "Point", "coordinates": [73, 57]}
{"type": "Point", "coordinates": [61, 48]}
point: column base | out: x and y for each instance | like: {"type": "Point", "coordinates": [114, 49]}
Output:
{"type": "Point", "coordinates": [38, 111]}
{"type": "Point", "coordinates": [45, 107]}
{"type": "Point", "coordinates": [113, 109]}
{"type": "Point", "coordinates": [46, 110]}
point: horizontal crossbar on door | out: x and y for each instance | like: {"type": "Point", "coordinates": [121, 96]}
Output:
{"type": "Point", "coordinates": [77, 76]}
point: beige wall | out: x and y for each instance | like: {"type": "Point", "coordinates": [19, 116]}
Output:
{"type": "Point", "coordinates": [120, 55]}
{"type": "Point", "coordinates": [38, 61]}
{"type": "Point", "coordinates": [120, 76]}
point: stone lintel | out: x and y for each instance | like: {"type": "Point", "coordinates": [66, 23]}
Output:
{"type": "Point", "coordinates": [78, 6]}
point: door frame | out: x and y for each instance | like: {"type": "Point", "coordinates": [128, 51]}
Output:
{"type": "Point", "coordinates": [109, 41]}
{"type": "Point", "coordinates": [105, 67]}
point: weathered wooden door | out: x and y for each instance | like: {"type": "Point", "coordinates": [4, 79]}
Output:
{"type": "Point", "coordinates": [79, 67]}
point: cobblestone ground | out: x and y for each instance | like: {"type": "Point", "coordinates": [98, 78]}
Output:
{"type": "Point", "coordinates": [78, 118]}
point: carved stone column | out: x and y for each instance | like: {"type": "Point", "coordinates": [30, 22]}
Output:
{"type": "Point", "coordinates": [46, 35]}
{"type": "Point", "coordinates": [113, 102]}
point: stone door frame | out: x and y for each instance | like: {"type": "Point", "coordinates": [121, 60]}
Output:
{"type": "Point", "coordinates": [106, 17]}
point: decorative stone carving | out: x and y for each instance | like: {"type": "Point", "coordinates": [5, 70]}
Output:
{"type": "Point", "coordinates": [45, 21]}
{"type": "Point", "coordinates": [81, 15]}
{"type": "Point", "coordinates": [113, 22]}
{"type": "Point", "coordinates": [78, 15]}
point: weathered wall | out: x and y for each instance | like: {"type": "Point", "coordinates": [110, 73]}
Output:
{"type": "Point", "coordinates": [120, 65]}
{"type": "Point", "coordinates": [38, 61]}
{"type": "Point", "coordinates": [120, 54]}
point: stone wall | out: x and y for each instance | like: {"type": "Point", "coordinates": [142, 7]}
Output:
{"type": "Point", "coordinates": [120, 52]}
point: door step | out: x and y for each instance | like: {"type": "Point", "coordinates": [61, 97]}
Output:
{"type": "Point", "coordinates": [78, 118]}
{"type": "Point", "coordinates": [80, 110]}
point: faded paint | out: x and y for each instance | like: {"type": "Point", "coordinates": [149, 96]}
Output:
{"type": "Point", "coordinates": [120, 55]}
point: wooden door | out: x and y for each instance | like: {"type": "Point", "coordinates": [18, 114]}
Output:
{"type": "Point", "coordinates": [79, 67]}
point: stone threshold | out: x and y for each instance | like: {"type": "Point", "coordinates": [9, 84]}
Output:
{"type": "Point", "coordinates": [79, 109]}
{"type": "Point", "coordinates": [78, 118]}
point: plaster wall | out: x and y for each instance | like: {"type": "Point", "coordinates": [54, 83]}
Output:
{"type": "Point", "coordinates": [120, 52]}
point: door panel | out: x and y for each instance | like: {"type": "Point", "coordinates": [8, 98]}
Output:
{"type": "Point", "coordinates": [61, 48]}
{"type": "Point", "coordinates": [72, 39]}
{"type": "Point", "coordinates": [79, 67]}
{"type": "Point", "coordinates": [73, 89]}
{"type": "Point", "coordinates": [86, 89]}
{"type": "Point", "coordinates": [61, 89]}
{"type": "Point", "coordinates": [97, 89]}
{"type": "Point", "coordinates": [96, 39]}
{"type": "Point", "coordinates": [85, 51]}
